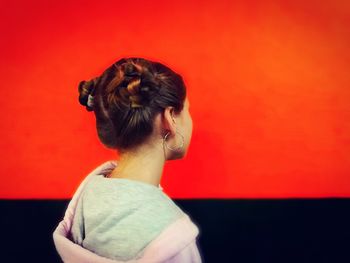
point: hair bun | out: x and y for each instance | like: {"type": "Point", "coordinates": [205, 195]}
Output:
{"type": "Point", "coordinates": [130, 70]}
{"type": "Point", "coordinates": [86, 91]}
{"type": "Point", "coordinates": [133, 75]}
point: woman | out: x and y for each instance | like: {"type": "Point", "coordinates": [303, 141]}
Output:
{"type": "Point", "coordinates": [120, 212]}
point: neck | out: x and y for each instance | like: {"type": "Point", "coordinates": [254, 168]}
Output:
{"type": "Point", "coordinates": [145, 165]}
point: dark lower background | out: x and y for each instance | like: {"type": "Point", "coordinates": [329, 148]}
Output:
{"type": "Point", "coordinates": [231, 230]}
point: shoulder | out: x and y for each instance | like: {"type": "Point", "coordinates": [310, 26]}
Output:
{"type": "Point", "coordinates": [120, 196]}
{"type": "Point", "coordinates": [124, 216]}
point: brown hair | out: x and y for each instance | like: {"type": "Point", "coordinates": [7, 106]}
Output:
{"type": "Point", "coordinates": [126, 98]}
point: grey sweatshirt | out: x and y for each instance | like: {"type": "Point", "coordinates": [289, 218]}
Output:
{"type": "Point", "coordinates": [117, 217]}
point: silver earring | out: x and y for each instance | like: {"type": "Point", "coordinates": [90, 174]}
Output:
{"type": "Point", "coordinates": [174, 149]}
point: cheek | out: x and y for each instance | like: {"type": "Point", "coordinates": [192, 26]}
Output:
{"type": "Point", "coordinates": [190, 124]}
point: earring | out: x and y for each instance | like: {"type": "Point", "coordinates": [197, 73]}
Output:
{"type": "Point", "coordinates": [174, 149]}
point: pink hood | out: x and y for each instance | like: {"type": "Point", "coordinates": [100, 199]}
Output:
{"type": "Point", "coordinates": [176, 244]}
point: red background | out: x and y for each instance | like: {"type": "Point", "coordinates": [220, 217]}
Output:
{"type": "Point", "coordinates": [268, 83]}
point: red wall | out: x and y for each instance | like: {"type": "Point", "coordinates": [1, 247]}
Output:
{"type": "Point", "coordinates": [268, 83]}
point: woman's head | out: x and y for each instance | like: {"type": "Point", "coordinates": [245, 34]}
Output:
{"type": "Point", "coordinates": [127, 98]}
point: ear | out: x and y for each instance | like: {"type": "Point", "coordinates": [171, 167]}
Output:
{"type": "Point", "coordinates": [168, 120]}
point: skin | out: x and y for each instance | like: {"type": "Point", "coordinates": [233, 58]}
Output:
{"type": "Point", "coordinates": [146, 162]}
